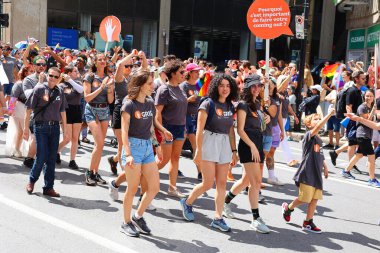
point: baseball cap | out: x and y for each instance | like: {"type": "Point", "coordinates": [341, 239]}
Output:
{"type": "Point", "coordinates": [250, 80]}
{"type": "Point", "coordinates": [262, 62]}
{"type": "Point", "coordinates": [316, 87]}
{"type": "Point", "coordinates": [192, 66]}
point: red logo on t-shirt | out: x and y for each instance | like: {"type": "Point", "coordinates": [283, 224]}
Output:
{"type": "Point", "coordinates": [138, 115]}
{"type": "Point", "coordinates": [254, 114]}
{"type": "Point", "coordinates": [219, 112]}
{"type": "Point", "coordinates": [317, 148]}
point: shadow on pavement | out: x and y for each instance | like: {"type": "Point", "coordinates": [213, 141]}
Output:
{"type": "Point", "coordinates": [180, 246]}
{"type": "Point", "coordinates": [83, 204]}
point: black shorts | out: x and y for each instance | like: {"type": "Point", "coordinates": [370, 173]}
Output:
{"type": "Point", "coordinates": [116, 117]}
{"type": "Point", "coordinates": [74, 114]}
{"type": "Point", "coordinates": [244, 150]}
{"type": "Point", "coordinates": [365, 147]}
{"type": "Point", "coordinates": [112, 107]}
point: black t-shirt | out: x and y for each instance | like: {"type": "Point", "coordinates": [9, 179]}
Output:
{"type": "Point", "coordinates": [73, 97]}
{"type": "Point", "coordinates": [354, 98]}
{"type": "Point", "coordinates": [363, 131]}
{"type": "Point", "coordinates": [121, 90]}
{"type": "Point", "coordinates": [253, 120]}
{"type": "Point", "coordinates": [96, 82]}
{"type": "Point", "coordinates": [189, 90]}
{"type": "Point", "coordinates": [141, 117]}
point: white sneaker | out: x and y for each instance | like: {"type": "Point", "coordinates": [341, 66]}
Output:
{"type": "Point", "coordinates": [274, 181]}
{"type": "Point", "coordinates": [227, 212]}
{"type": "Point", "coordinates": [17, 154]}
{"type": "Point", "coordinates": [113, 191]}
{"type": "Point", "coordinates": [150, 207]}
{"type": "Point", "coordinates": [259, 226]}
{"type": "Point", "coordinates": [176, 193]}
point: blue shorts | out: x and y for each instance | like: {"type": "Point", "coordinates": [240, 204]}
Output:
{"type": "Point", "coordinates": [178, 132]}
{"type": "Point", "coordinates": [141, 151]}
{"type": "Point", "coordinates": [333, 124]}
{"type": "Point", "coordinates": [191, 124]}
{"type": "Point", "coordinates": [287, 124]}
{"type": "Point", "coordinates": [92, 113]}
{"type": "Point", "coordinates": [8, 89]}
{"type": "Point", "coordinates": [267, 142]}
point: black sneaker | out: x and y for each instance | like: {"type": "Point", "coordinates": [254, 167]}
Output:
{"type": "Point", "coordinates": [73, 165]}
{"type": "Point", "coordinates": [356, 170]}
{"type": "Point", "coordinates": [199, 177]}
{"type": "Point", "coordinates": [180, 174]}
{"type": "Point", "coordinates": [129, 229]}
{"type": "Point", "coordinates": [141, 225]}
{"type": "Point", "coordinates": [89, 178]}
{"type": "Point", "coordinates": [58, 159]}
{"type": "Point", "coordinates": [4, 126]}
{"type": "Point", "coordinates": [28, 162]}
{"type": "Point", "coordinates": [99, 179]}
{"type": "Point", "coordinates": [113, 165]}
{"type": "Point", "coordinates": [333, 156]}
{"type": "Point", "coordinates": [328, 146]}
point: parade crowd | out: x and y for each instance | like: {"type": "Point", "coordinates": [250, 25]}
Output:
{"type": "Point", "coordinates": [54, 98]}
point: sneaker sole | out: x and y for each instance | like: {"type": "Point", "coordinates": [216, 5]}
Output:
{"type": "Point", "coordinates": [228, 216]}
{"type": "Point", "coordinates": [312, 231]}
{"type": "Point", "coordinates": [220, 228]}
{"type": "Point", "coordinates": [259, 231]}
{"type": "Point", "coordinates": [140, 229]}
{"type": "Point", "coordinates": [128, 234]}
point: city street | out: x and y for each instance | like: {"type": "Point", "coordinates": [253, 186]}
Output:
{"type": "Point", "coordinates": [85, 219]}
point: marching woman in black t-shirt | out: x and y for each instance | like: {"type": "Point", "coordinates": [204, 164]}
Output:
{"type": "Point", "coordinates": [73, 90]}
{"type": "Point", "coordinates": [250, 126]}
{"type": "Point", "coordinates": [216, 146]}
{"type": "Point", "coordinates": [137, 117]}
{"type": "Point", "coordinates": [98, 93]}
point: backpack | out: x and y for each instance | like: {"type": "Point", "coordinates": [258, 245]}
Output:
{"type": "Point", "coordinates": [212, 109]}
{"type": "Point", "coordinates": [340, 105]}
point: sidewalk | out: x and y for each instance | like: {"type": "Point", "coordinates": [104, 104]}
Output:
{"type": "Point", "coordinates": [299, 135]}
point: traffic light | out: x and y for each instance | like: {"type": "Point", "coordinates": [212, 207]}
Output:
{"type": "Point", "coordinates": [4, 19]}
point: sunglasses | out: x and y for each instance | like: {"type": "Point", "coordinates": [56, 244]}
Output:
{"type": "Point", "coordinates": [129, 66]}
{"type": "Point", "coordinates": [182, 72]}
{"type": "Point", "coordinates": [51, 76]}
{"type": "Point", "coordinates": [41, 64]}
{"type": "Point", "coordinates": [8, 49]}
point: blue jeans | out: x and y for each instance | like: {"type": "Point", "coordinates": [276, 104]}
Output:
{"type": "Point", "coordinates": [47, 141]}
{"type": "Point", "coordinates": [141, 151]}
{"type": "Point", "coordinates": [377, 150]}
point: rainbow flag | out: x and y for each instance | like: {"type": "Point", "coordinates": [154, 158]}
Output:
{"type": "Point", "coordinates": [330, 70]}
{"type": "Point", "coordinates": [202, 84]}
{"type": "Point", "coordinates": [337, 80]}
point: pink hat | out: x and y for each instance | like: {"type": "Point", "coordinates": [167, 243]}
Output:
{"type": "Point", "coordinates": [192, 66]}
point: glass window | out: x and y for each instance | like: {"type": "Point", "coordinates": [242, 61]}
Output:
{"type": "Point", "coordinates": [202, 11]}
{"type": "Point", "coordinates": [94, 6]}
{"type": "Point", "coordinates": [123, 8]}
{"type": "Point", "coordinates": [69, 5]}
{"type": "Point", "coordinates": [181, 12]}
{"type": "Point", "coordinates": [149, 9]}
{"type": "Point", "coordinates": [63, 19]}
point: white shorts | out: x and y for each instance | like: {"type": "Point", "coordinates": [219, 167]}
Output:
{"type": "Point", "coordinates": [216, 148]}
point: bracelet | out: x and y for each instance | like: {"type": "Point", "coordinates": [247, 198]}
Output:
{"type": "Point", "coordinates": [234, 150]}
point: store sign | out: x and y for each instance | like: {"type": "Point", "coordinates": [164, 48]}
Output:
{"type": "Point", "coordinates": [357, 39]}
{"type": "Point", "coordinates": [65, 37]}
{"type": "Point", "coordinates": [373, 34]}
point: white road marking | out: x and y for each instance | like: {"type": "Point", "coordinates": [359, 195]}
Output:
{"type": "Point", "coordinates": [102, 241]}
{"type": "Point", "coordinates": [345, 181]}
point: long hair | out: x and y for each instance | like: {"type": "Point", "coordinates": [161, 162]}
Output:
{"type": "Point", "coordinates": [247, 97]}
{"type": "Point", "coordinates": [138, 80]}
{"type": "Point", "coordinates": [94, 68]}
{"type": "Point", "coordinates": [373, 93]}
{"type": "Point", "coordinates": [214, 84]}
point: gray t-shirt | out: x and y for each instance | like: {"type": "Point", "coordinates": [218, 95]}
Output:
{"type": "Point", "coordinates": [96, 83]}
{"type": "Point", "coordinates": [40, 97]}
{"type": "Point", "coordinates": [310, 169]}
{"type": "Point", "coordinates": [268, 129]}
{"type": "Point", "coordinates": [274, 120]}
{"type": "Point", "coordinates": [285, 103]}
{"type": "Point", "coordinates": [29, 83]}
{"type": "Point", "coordinates": [141, 117]}
{"type": "Point", "coordinates": [157, 83]}
{"type": "Point", "coordinates": [363, 131]}
{"type": "Point", "coordinates": [73, 97]}
{"type": "Point", "coordinates": [18, 93]}
{"type": "Point", "coordinates": [189, 90]}
{"type": "Point", "coordinates": [253, 120]}
{"type": "Point", "coordinates": [222, 119]}
{"type": "Point", "coordinates": [9, 64]}
{"type": "Point", "coordinates": [175, 104]}
{"type": "Point", "coordinates": [121, 90]}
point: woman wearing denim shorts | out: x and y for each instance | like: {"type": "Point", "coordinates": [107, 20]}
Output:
{"type": "Point", "coordinates": [216, 146]}
{"type": "Point", "coordinates": [171, 106]}
{"type": "Point", "coordinates": [98, 93]}
{"type": "Point", "coordinates": [137, 119]}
